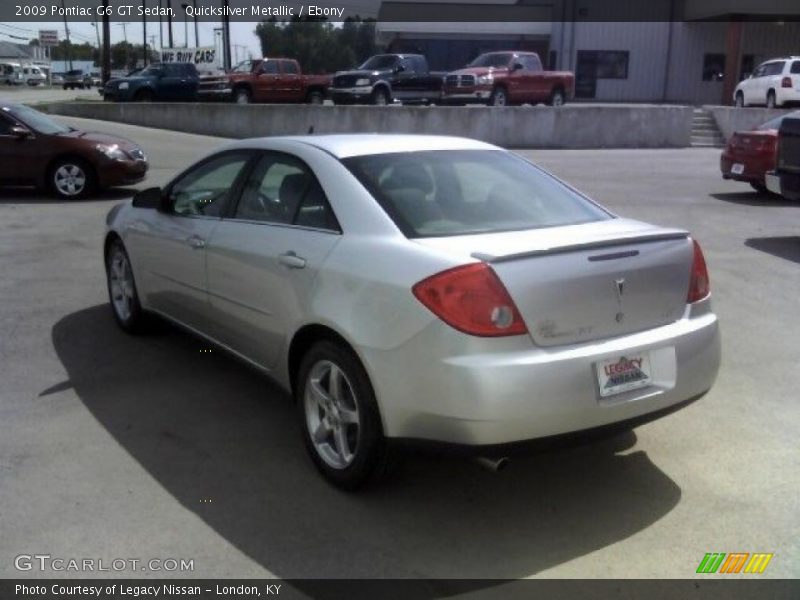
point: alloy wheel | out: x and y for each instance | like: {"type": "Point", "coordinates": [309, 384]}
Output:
{"type": "Point", "coordinates": [120, 278]}
{"type": "Point", "coordinates": [69, 180]}
{"type": "Point", "coordinates": [332, 415]}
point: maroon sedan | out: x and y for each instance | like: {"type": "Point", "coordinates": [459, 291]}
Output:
{"type": "Point", "coordinates": [748, 155]}
{"type": "Point", "coordinates": [37, 151]}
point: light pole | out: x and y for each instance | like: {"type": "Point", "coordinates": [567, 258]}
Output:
{"type": "Point", "coordinates": [169, 22]}
{"type": "Point", "coordinates": [196, 31]}
{"type": "Point", "coordinates": [144, 35]}
{"type": "Point", "coordinates": [184, 6]}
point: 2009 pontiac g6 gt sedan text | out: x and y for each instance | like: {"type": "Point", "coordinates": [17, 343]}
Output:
{"type": "Point", "coordinates": [420, 287]}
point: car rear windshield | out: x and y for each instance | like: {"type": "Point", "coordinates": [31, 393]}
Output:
{"type": "Point", "coordinates": [459, 192]}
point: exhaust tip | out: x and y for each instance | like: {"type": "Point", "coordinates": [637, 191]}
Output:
{"type": "Point", "coordinates": [493, 464]}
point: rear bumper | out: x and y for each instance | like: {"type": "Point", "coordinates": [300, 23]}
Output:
{"type": "Point", "coordinates": [507, 390]}
{"type": "Point", "coordinates": [754, 168]}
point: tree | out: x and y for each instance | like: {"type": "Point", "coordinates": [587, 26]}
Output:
{"type": "Point", "coordinates": [317, 44]}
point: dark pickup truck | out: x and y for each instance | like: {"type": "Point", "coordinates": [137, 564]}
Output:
{"type": "Point", "coordinates": [386, 78]}
{"type": "Point", "coordinates": [785, 179]}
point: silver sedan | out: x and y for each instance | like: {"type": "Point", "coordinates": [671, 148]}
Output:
{"type": "Point", "coordinates": [418, 287]}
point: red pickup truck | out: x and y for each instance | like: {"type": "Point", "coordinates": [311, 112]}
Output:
{"type": "Point", "coordinates": [276, 80]}
{"type": "Point", "coordinates": [511, 77]}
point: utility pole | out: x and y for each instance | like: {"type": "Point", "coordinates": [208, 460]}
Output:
{"type": "Point", "coordinates": [66, 30]}
{"type": "Point", "coordinates": [106, 43]}
{"type": "Point", "coordinates": [226, 35]}
{"type": "Point", "coordinates": [196, 31]}
{"type": "Point", "coordinates": [160, 27]}
{"type": "Point", "coordinates": [169, 22]}
{"type": "Point", "coordinates": [144, 34]}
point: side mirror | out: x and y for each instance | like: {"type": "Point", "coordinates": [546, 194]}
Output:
{"type": "Point", "coordinates": [150, 198]}
{"type": "Point", "coordinates": [21, 133]}
{"type": "Point", "coordinates": [399, 68]}
{"type": "Point", "coordinates": [516, 66]}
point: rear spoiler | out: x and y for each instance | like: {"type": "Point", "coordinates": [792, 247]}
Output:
{"type": "Point", "coordinates": [590, 245]}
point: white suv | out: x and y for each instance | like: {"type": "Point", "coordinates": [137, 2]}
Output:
{"type": "Point", "coordinates": [773, 83]}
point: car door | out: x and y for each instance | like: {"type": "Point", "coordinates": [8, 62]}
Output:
{"type": "Point", "coordinates": [405, 81]}
{"type": "Point", "coordinates": [168, 249]}
{"type": "Point", "coordinates": [751, 88]}
{"type": "Point", "coordinates": [264, 257]}
{"type": "Point", "coordinates": [291, 82]}
{"type": "Point", "coordinates": [267, 82]}
{"type": "Point", "coordinates": [20, 157]}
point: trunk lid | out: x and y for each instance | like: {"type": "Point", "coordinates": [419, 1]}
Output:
{"type": "Point", "coordinates": [586, 282]}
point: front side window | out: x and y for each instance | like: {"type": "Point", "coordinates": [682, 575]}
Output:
{"type": "Point", "coordinates": [290, 67]}
{"type": "Point", "coordinates": [530, 62]}
{"type": "Point", "coordinates": [269, 67]}
{"type": "Point", "coordinates": [795, 68]}
{"type": "Point", "coordinates": [283, 190]}
{"type": "Point", "coordinates": [461, 192]}
{"type": "Point", "coordinates": [204, 191]}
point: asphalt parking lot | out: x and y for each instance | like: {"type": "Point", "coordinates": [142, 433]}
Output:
{"type": "Point", "coordinates": [34, 94]}
{"type": "Point", "coordinates": [115, 446]}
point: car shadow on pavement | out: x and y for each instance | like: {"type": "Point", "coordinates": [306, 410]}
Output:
{"type": "Point", "coordinates": [787, 247]}
{"type": "Point", "coordinates": [28, 195]}
{"type": "Point", "coordinates": [753, 199]}
{"type": "Point", "coordinates": [224, 441]}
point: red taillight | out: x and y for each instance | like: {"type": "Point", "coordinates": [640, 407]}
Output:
{"type": "Point", "coordinates": [786, 82]}
{"type": "Point", "coordinates": [472, 299]}
{"type": "Point", "coordinates": [699, 286]}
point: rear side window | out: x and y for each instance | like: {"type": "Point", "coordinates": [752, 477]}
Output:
{"type": "Point", "coordinates": [459, 192]}
{"type": "Point", "coordinates": [775, 68]}
{"type": "Point", "coordinates": [795, 70]}
{"type": "Point", "coordinates": [290, 67]}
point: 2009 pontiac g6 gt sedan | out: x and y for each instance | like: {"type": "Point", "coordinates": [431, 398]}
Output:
{"type": "Point", "coordinates": [421, 287]}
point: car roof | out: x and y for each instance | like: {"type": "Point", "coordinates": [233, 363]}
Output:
{"type": "Point", "coordinates": [347, 145]}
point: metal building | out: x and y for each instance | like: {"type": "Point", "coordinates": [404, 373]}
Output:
{"type": "Point", "coordinates": [687, 51]}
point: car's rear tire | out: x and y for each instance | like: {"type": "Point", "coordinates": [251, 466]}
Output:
{"type": "Point", "coordinates": [499, 97]}
{"type": "Point", "coordinates": [771, 99]}
{"type": "Point", "coordinates": [380, 96]}
{"type": "Point", "coordinates": [739, 100]}
{"type": "Point", "coordinates": [71, 179]}
{"type": "Point", "coordinates": [241, 95]}
{"type": "Point", "coordinates": [122, 294]}
{"type": "Point", "coordinates": [315, 97]}
{"type": "Point", "coordinates": [339, 416]}
{"type": "Point", "coordinates": [557, 98]}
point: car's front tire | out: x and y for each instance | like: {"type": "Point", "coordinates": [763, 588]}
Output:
{"type": "Point", "coordinates": [339, 416]}
{"type": "Point", "coordinates": [71, 179]}
{"type": "Point", "coordinates": [380, 97]}
{"type": "Point", "coordinates": [499, 97]}
{"type": "Point", "coordinates": [122, 294]}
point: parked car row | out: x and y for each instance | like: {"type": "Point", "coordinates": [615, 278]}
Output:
{"type": "Point", "coordinates": [495, 78]}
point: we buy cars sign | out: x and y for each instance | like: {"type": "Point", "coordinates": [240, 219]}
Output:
{"type": "Point", "coordinates": [204, 57]}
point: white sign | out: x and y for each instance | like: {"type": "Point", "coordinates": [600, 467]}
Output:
{"type": "Point", "coordinates": [204, 58]}
{"type": "Point", "coordinates": [48, 37]}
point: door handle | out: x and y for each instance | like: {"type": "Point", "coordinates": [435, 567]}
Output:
{"type": "Point", "coordinates": [196, 242]}
{"type": "Point", "coordinates": [291, 260]}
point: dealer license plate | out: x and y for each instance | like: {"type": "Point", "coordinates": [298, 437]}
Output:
{"type": "Point", "coordinates": [624, 373]}
{"type": "Point", "coordinates": [737, 168]}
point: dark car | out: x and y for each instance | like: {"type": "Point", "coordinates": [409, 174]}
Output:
{"type": "Point", "coordinates": [37, 151]}
{"type": "Point", "coordinates": [384, 78]}
{"type": "Point", "coordinates": [785, 179]}
{"type": "Point", "coordinates": [157, 82]}
{"type": "Point", "coordinates": [76, 78]}
{"type": "Point", "coordinates": [748, 155]}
